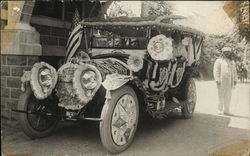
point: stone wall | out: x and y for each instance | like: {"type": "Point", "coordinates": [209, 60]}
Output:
{"type": "Point", "coordinates": [22, 46]}
{"type": "Point", "coordinates": [52, 35]}
{"type": "Point", "coordinates": [53, 41]}
{"type": "Point", "coordinates": [12, 67]}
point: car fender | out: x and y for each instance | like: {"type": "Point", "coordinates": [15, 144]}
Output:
{"type": "Point", "coordinates": [114, 81]}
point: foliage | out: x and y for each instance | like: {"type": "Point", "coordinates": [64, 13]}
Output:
{"type": "Point", "coordinates": [244, 20]}
{"type": "Point", "coordinates": [153, 8]}
{"type": "Point", "coordinates": [212, 50]}
{"type": "Point", "coordinates": [238, 11]}
{"type": "Point", "coordinates": [160, 8]}
{"type": "Point", "coordinates": [117, 10]}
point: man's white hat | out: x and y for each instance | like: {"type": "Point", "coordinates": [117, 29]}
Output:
{"type": "Point", "coordinates": [224, 49]}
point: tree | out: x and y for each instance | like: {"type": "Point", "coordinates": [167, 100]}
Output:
{"type": "Point", "coordinates": [155, 8]}
{"type": "Point", "coordinates": [212, 50]}
{"type": "Point", "coordinates": [160, 8]}
{"type": "Point", "coordinates": [116, 10]}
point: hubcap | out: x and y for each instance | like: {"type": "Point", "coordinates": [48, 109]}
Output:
{"type": "Point", "coordinates": [191, 97]}
{"type": "Point", "coordinates": [123, 120]}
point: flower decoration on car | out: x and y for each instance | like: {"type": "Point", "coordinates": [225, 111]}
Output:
{"type": "Point", "coordinates": [86, 81]}
{"type": "Point", "coordinates": [83, 55]}
{"type": "Point", "coordinates": [43, 79]}
{"type": "Point", "coordinates": [135, 63]}
{"type": "Point", "coordinates": [160, 48]}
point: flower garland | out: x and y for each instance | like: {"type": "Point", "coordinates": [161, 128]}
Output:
{"type": "Point", "coordinates": [41, 89]}
{"type": "Point", "coordinates": [82, 93]}
{"type": "Point", "coordinates": [160, 48]}
{"type": "Point", "coordinates": [135, 63]}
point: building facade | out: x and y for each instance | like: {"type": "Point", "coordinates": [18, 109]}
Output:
{"type": "Point", "coordinates": [31, 32]}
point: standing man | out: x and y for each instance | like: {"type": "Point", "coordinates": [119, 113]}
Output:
{"type": "Point", "coordinates": [225, 76]}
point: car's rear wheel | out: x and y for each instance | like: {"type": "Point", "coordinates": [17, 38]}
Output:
{"type": "Point", "coordinates": [120, 117]}
{"type": "Point", "coordinates": [190, 99]}
{"type": "Point", "coordinates": [36, 125]}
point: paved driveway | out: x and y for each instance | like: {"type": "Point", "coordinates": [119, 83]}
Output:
{"type": "Point", "coordinates": [199, 136]}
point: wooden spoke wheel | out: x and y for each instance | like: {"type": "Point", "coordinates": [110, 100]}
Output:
{"type": "Point", "coordinates": [120, 118]}
{"type": "Point", "coordinates": [38, 122]}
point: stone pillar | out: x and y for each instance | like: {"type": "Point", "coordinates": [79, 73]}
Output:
{"type": "Point", "coordinates": [20, 49]}
{"type": "Point", "coordinates": [18, 37]}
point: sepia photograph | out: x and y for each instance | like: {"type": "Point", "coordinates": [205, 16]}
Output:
{"type": "Point", "coordinates": [125, 78]}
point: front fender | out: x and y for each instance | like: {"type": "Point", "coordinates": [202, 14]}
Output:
{"type": "Point", "coordinates": [115, 81]}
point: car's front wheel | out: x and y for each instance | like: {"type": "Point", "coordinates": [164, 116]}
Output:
{"type": "Point", "coordinates": [120, 117]}
{"type": "Point", "coordinates": [35, 123]}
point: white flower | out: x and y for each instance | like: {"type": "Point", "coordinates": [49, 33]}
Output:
{"type": "Point", "coordinates": [135, 63]}
{"type": "Point", "coordinates": [160, 48]}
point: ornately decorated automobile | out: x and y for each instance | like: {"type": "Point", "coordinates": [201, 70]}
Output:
{"type": "Point", "coordinates": [122, 66]}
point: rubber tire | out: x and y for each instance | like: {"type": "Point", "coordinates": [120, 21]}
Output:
{"type": "Point", "coordinates": [23, 119]}
{"type": "Point", "coordinates": [106, 115]}
{"type": "Point", "coordinates": [185, 113]}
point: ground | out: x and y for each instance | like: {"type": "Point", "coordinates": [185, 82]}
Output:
{"type": "Point", "coordinates": [201, 135]}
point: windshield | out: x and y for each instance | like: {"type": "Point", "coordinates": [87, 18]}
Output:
{"type": "Point", "coordinates": [119, 40]}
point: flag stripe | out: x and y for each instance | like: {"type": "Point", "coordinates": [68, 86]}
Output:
{"type": "Point", "coordinates": [75, 30]}
{"type": "Point", "coordinates": [75, 47]}
{"type": "Point", "coordinates": [72, 38]}
{"type": "Point", "coordinates": [72, 41]}
{"type": "Point", "coordinates": [75, 37]}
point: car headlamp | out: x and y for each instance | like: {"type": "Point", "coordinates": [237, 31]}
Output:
{"type": "Point", "coordinates": [45, 77]}
{"type": "Point", "coordinates": [89, 79]}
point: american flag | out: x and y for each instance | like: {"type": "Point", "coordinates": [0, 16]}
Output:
{"type": "Point", "coordinates": [75, 36]}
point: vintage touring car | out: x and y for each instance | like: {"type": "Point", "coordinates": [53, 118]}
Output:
{"type": "Point", "coordinates": [122, 66]}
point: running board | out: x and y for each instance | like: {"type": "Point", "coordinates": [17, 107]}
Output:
{"type": "Point", "coordinates": [55, 115]}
